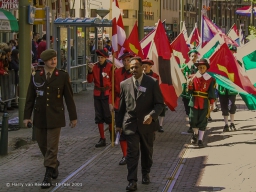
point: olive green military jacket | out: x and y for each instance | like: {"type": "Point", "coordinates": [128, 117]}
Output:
{"type": "Point", "coordinates": [46, 99]}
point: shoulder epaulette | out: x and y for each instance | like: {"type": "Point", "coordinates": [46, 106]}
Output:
{"type": "Point", "coordinates": [63, 70]}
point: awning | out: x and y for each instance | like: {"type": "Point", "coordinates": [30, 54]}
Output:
{"type": "Point", "coordinates": [8, 23]}
{"type": "Point", "coordinates": [246, 11]}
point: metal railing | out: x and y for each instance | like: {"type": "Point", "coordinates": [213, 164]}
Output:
{"type": "Point", "coordinates": [8, 93]}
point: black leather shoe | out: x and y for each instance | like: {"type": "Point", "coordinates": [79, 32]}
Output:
{"type": "Point", "coordinates": [47, 182]}
{"type": "Point", "coordinates": [226, 128]}
{"type": "Point", "coordinates": [160, 129]}
{"type": "Point", "coordinates": [209, 118]}
{"type": "Point", "coordinates": [55, 172]}
{"type": "Point", "coordinates": [200, 144]}
{"type": "Point", "coordinates": [123, 161]}
{"type": "Point", "coordinates": [194, 139]}
{"type": "Point", "coordinates": [215, 110]}
{"type": "Point", "coordinates": [132, 186]}
{"type": "Point", "coordinates": [101, 143]}
{"type": "Point", "coordinates": [145, 179]}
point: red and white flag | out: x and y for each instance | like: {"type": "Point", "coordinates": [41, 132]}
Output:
{"type": "Point", "coordinates": [194, 38]}
{"type": "Point", "coordinates": [180, 49]}
{"type": "Point", "coordinates": [165, 65]}
{"type": "Point", "coordinates": [120, 38]}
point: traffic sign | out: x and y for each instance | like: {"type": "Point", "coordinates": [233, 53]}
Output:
{"type": "Point", "coordinates": [31, 14]}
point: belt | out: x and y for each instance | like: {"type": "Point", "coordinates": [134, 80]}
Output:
{"type": "Point", "coordinates": [101, 88]}
{"type": "Point", "coordinates": [200, 94]}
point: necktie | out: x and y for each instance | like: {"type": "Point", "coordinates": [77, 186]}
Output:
{"type": "Point", "coordinates": [137, 84]}
{"type": "Point", "coordinates": [136, 88]}
{"type": "Point", "coordinates": [48, 76]}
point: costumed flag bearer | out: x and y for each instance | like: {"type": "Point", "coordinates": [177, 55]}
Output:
{"type": "Point", "coordinates": [227, 103]}
{"type": "Point", "coordinates": [147, 65]}
{"type": "Point", "coordinates": [201, 88]}
{"type": "Point", "coordinates": [100, 73]}
{"type": "Point", "coordinates": [188, 73]}
{"type": "Point", "coordinates": [121, 74]}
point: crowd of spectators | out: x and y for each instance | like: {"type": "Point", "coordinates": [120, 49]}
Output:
{"type": "Point", "coordinates": [9, 60]}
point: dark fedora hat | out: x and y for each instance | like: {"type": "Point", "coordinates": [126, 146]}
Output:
{"type": "Point", "coordinates": [202, 62]}
{"type": "Point", "coordinates": [102, 52]}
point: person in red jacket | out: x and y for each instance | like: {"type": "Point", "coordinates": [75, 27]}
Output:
{"type": "Point", "coordinates": [100, 73]}
{"type": "Point", "coordinates": [121, 74]}
{"type": "Point", "coordinates": [147, 65]}
{"type": "Point", "coordinates": [202, 89]}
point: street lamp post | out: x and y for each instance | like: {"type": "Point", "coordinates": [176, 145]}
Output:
{"type": "Point", "coordinates": [102, 13]}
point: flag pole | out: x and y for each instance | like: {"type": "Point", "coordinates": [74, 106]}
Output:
{"type": "Point", "coordinates": [112, 99]}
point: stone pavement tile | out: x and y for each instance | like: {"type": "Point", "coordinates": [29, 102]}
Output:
{"type": "Point", "coordinates": [25, 164]}
{"type": "Point", "coordinates": [228, 161]}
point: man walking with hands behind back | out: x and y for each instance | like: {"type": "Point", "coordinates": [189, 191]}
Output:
{"type": "Point", "coordinates": [45, 96]}
{"type": "Point", "coordinates": [141, 102]}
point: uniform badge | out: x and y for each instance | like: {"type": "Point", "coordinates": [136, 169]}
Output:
{"type": "Point", "coordinates": [142, 89]}
{"type": "Point", "coordinates": [104, 74]}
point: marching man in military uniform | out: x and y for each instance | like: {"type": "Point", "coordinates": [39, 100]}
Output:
{"type": "Point", "coordinates": [201, 87]}
{"type": "Point", "coordinates": [100, 73]}
{"type": "Point", "coordinates": [121, 74]}
{"type": "Point", "coordinates": [45, 97]}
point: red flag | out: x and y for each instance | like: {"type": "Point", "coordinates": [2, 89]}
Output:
{"type": "Point", "coordinates": [225, 64]}
{"type": "Point", "coordinates": [170, 82]}
{"type": "Point", "coordinates": [133, 44]}
{"type": "Point", "coordinates": [180, 49]}
{"type": "Point", "coordinates": [121, 36]}
{"type": "Point", "coordinates": [194, 38]}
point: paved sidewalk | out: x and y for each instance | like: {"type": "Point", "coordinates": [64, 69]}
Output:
{"type": "Point", "coordinates": [23, 166]}
{"type": "Point", "coordinates": [228, 163]}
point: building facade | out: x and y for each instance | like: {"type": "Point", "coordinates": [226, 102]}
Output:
{"type": "Point", "coordinates": [170, 14]}
{"type": "Point", "coordinates": [129, 9]}
{"type": "Point", "coordinates": [223, 14]}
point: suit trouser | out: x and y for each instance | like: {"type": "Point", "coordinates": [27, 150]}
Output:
{"type": "Point", "coordinates": [136, 143]}
{"type": "Point", "coordinates": [48, 142]}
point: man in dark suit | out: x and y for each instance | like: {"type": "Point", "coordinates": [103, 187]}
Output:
{"type": "Point", "coordinates": [141, 102]}
{"type": "Point", "coordinates": [45, 96]}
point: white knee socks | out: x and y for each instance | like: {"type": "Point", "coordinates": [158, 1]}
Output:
{"type": "Point", "coordinates": [195, 131]}
{"type": "Point", "coordinates": [201, 135]}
